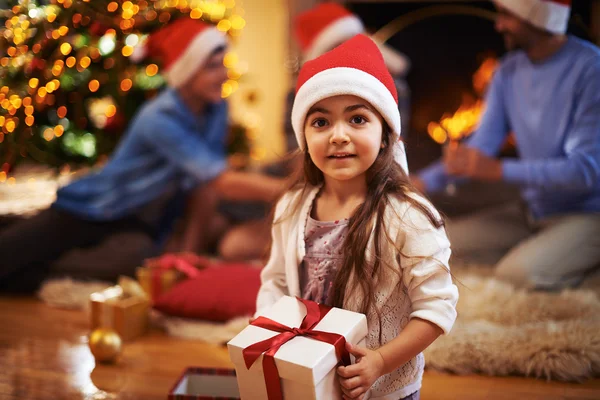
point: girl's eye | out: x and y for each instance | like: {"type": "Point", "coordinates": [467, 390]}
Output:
{"type": "Point", "coordinates": [357, 119]}
{"type": "Point", "coordinates": [319, 123]}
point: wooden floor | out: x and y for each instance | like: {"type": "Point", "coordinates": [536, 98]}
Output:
{"type": "Point", "coordinates": [44, 355]}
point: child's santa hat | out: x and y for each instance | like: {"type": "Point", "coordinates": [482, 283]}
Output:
{"type": "Point", "coordinates": [327, 25]}
{"type": "Point", "coordinates": [356, 68]}
{"type": "Point", "coordinates": [549, 15]}
{"type": "Point", "coordinates": [182, 47]}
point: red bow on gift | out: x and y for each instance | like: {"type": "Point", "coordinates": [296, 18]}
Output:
{"type": "Point", "coordinates": [186, 263]}
{"type": "Point", "coordinates": [314, 314]}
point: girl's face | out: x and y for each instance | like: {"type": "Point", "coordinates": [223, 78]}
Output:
{"type": "Point", "coordinates": [343, 137]}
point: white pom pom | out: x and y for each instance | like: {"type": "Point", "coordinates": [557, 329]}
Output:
{"type": "Point", "coordinates": [397, 63]}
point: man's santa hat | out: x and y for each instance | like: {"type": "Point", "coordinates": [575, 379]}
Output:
{"type": "Point", "coordinates": [357, 68]}
{"type": "Point", "coordinates": [181, 47]}
{"type": "Point", "coordinates": [549, 15]}
{"type": "Point", "coordinates": [327, 25]}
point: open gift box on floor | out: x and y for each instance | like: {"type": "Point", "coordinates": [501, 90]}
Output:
{"type": "Point", "coordinates": [304, 366]}
{"type": "Point", "coordinates": [205, 384]}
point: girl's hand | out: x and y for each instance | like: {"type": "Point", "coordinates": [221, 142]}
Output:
{"type": "Point", "coordinates": [357, 378]}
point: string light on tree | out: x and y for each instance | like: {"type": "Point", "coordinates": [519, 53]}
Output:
{"type": "Point", "coordinates": [57, 57]}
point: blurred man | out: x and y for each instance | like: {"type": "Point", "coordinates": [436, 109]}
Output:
{"type": "Point", "coordinates": [175, 144]}
{"type": "Point", "coordinates": [546, 91]}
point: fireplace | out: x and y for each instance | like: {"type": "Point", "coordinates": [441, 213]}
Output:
{"type": "Point", "coordinates": [447, 41]}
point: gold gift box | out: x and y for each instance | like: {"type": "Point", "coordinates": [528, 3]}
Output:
{"type": "Point", "coordinates": [117, 309]}
{"type": "Point", "coordinates": [168, 279]}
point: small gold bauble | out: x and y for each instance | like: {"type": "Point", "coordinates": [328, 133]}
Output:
{"type": "Point", "coordinates": [105, 345]}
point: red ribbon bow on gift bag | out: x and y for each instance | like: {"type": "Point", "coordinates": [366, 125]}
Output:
{"type": "Point", "coordinates": [314, 314]}
{"type": "Point", "coordinates": [186, 263]}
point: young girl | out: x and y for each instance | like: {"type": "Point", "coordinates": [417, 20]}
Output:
{"type": "Point", "coordinates": [352, 233]}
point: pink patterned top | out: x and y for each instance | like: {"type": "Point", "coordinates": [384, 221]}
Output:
{"type": "Point", "coordinates": [324, 245]}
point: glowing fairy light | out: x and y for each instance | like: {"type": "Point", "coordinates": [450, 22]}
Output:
{"type": "Point", "coordinates": [107, 44]}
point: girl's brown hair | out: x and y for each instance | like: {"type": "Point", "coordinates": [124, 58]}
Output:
{"type": "Point", "coordinates": [385, 179]}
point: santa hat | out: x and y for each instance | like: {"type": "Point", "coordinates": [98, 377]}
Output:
{"type": "Point", "coordinates": [357, 68]}
{"type": "Point", "coordinates": [327, 25]}
{"type": "Point", "coordinates": [549, 15]}
{"type": "Point", "coordinates": [182, 47]}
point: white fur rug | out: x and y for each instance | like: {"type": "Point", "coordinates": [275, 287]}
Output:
{"type": "Point", "coordinates": [500, 330]}
{"type": "Point", "coordinates": [504, 331]}
{"type": "Point", "coordinates": [70, 294]}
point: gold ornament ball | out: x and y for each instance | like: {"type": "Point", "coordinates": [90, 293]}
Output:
{"type": "Point", "coordinates": [105, 345]}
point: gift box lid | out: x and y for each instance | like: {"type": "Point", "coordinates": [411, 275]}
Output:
{"type": "Point", "coordinates": [301, 359]}
{"type": "Point", "coordinates": [115, 295]}
{"type": "Point", "coordinates": [205, 384]}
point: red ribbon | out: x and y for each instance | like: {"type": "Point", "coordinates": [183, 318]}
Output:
{"type": "Point", "coordinates": [314, 314]}
{"type": "Point", "coordinates": [183, 263]}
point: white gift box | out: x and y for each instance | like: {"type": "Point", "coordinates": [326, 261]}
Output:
{"type": "Point", "coordinates": [306, 367]}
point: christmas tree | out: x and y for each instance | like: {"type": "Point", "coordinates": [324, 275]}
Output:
{"type": "Point", "coordinates": [68, 85]}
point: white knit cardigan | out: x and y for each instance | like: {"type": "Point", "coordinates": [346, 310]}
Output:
{"type": "Point", "coordinates": [418, 284]}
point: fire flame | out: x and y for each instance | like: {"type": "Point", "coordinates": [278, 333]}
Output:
{"type": "Point", "coordinates": [465, 120]}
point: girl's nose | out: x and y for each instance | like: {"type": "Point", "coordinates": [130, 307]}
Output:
{"type": "Point", "coordinates": [339, 135]}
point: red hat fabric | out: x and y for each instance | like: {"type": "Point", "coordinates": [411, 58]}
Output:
{"type": "Point", "coordinates": [327, 25]}
{"type": "Point", "coordinates": [549, 15]}
{"type": "Point", "coordinates": [356, 68]}
{"type": "Point", "coordinates": [182, 47]}
{"type": "Point", "coordinates": [323, 27]}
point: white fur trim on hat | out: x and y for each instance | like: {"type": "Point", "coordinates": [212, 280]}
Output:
{"type": "Point", "coordinates": [547, 15]}
{"type": "Point", "coordinates": [194, 56]}
{"type": "Point", "coordinates": [348, 81]}
{"type": "Point", "coordinates": [400, 155]}
{"type": "Point", "coordinates": [396, 62]}
{"type": "Point", "coordinates": [343, 81]}
{"type": "Point", "coordinates": [336, 33]}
